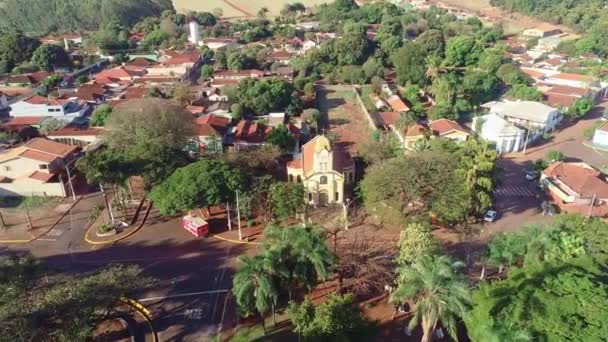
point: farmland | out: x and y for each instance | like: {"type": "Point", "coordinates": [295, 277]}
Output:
{"type": "Point", "coordinates": [238, 8]}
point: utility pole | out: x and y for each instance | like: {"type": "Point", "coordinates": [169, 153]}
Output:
{"type": "Point", "coordinates": [2, 223]}
{"type": "Point", "coordinates": [228, 213]}
{"type": "Point", "coordinates": [67, 169]}
{"type": "Point", "coordinates": [108, 206]}
{"type": "Point", "coordinates": [27, 212]}
{"type": "Point", "coordinates": [591, 206]}
{"type": "Point", "coordinates": [238, 215]}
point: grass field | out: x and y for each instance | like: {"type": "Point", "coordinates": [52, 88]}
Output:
{"type": "Point", "coordinates": [238, 8]}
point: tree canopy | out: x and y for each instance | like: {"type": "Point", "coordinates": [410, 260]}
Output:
{"type": "Point", "coordinates": [48, 56]}
{"type": "Point", "coordinates": [198, 185]}
{"type": "Point", "coordinates": [264, 96]}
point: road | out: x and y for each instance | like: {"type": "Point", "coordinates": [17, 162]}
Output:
{"type": "Point", "coordinates": [190, 302]}
{"type": "Point", "coordinates": [516, 197]}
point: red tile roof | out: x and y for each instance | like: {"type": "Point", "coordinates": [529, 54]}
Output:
{"type": "Point", "coordinates": [415, 130]}
{"type": "Point", "coordinates": [573, 77]}
{"type": "Point", "coordinates": [341, 159]}
{"type": "Point", "coordinates": [50, 147]}
{"type": "Point", "coordinates": [49, 101]}
{"type": "Point", "coordinates": [239, 73]}
{"type": "Point", "coordinates": [24, 121]}
{"type": "Point", "coordinates": [397, 104]}
{"type": "Point", "coordinates": [41, 176]}
{"type": "Point", "coordinates": [113, 74]}
{"type": "Point", "coordinates": [445, 126]}
{"type": "Point", "coordinates": [389, 118]}
{"type": "Point", "coordinates": [211, 124]}
{"type": "Point", "coordinates": [532, 73]}
{"type": "Point", "coordinates": [580, 177]}
{"type": "Point", "coordinates": [251, 132]}
{"type": "Point", "coordinates": [77, 130]}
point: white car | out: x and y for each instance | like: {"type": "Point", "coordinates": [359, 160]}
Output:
{"type": "Point", "coordinates": [490, 216]}
{"type": "Point", "coordinates": [532, 175]}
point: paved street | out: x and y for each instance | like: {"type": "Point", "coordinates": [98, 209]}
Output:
{"type": "Point", "coordinates": [190, 301]}
{"type": "Point", "coordinates": [517, 199]}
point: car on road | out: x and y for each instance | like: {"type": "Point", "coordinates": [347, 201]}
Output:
{"type": "Point", "coordinates": [490, 216]}
{"type": "Point", "coordinates": [532, 175]}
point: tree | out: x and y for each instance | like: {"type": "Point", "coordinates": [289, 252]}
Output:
{"type": "Point", "coordinates": [377, 152]}
{"type": "Point", "coordinates": [525, 93]}
{"type": "Point", "coordinates": [337, 319]}
{"type": "Point", "coordinates": [16, 48]}
{"type": "Point", "coordinates": [439, 293]}
{"type": "Point", "coordinates": [462, 51]}
{"type": "Point", "coordinates": [281, 137]}
{"type": "Point", "coordinates": [287, 199]}
{"type": "Point", "coordinates": [38, 304]}
{"type": "Point", "coordinates": [415, 241]}
{"type": "Point", "coordinates": [555, 156]}
{"type": "Point", "coordinates": [432, 43]}
{"type": "Point", "coordinates": [207, 71]}
{"type": "Point", "coordinates": [262, 13]}
{"type": "Point", "coordinates": [477, 169]}
{"type": "Point", "coordinates": [199, 185]}
{"type": "Point", "coordinates": [409, 62]}
{"type": "Point", "coordinates": [353, 47]}
{"type": "Point", "coordinates": [182, 94]}
{"type": "Point", "coordinates": [50, 125]}
{"type": "Point", "coordinates": [155, 38]}
{"type": "Point", "coordinates": [169, 27]}
{"type": "Point", "coordinates": [579, 108]}
{"type": "Point", "coordinates": [152, 134]}
{"type": "Point", "coordinates": [264, 96]}
{"type": "Point", "coordinates": [100, 115]}
{"type": "Point", "coordinates": [511, 75]}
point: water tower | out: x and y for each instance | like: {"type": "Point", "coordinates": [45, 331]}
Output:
{"type": "Point", "coordinates": [194, 31]}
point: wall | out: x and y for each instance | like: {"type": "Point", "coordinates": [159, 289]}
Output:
{"type": "Point", "coordinates": [373, 120]}
{"type": "Point", "coordinates": [20, 167]}
{"type": "Point", "coordinates": [31, 188]}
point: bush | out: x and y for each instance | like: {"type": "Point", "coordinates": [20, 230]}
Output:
{"type": "Point", "coordinates": [555, 156]}
{"type": "Point", "coordinates": [104, 228]}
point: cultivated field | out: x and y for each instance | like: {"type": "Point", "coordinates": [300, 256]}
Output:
{"type": "Point", "coordinates": [238, 8]}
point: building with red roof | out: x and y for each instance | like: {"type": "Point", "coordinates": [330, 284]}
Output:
{"type": "Point", "coordinates": [324, 170]}
{"type": "Point", "coordinates": [38, 168]}
{"type": "Point", "coordinates": [577, 188]}
{"type": "Point", "coordinates": [210, 131]}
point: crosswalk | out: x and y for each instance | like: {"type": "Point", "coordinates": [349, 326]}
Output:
{"type": "Point", "coordinates": [515, 191]}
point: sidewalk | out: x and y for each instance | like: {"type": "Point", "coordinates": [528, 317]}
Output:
{"type": "Point", "coordinates": [92, 237]}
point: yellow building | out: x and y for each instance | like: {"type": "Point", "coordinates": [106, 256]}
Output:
{"type": "Point", "coordinates": [324, 170]}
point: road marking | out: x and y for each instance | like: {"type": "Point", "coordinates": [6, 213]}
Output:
{"type": "Point", "coordinates": [515, 191]}
{"type": "Point", "coordinates": [151, 299]}
{"type": "Point", "coordinates": [46, 240]}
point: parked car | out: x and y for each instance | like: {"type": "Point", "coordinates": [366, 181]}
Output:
{"type": "Point", "coordinates": [532, 175]}
{"type": "Point", "coordinates": [490, 216]}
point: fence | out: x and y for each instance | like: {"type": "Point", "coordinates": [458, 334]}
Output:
{"type": "Point", "coordinates": [372, 119]}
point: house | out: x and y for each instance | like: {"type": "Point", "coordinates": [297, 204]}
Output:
{"type": "Point", "coordinates": [308, 45]}
{"type": "Point", "coordinates": [282, 57]}
{"type": "Point", "coordinates": [285, 72]}
{"type": "Point", "coordinates": [548, 44]}
{"type": "Point", "coordinates": [388, 119]}
{"type": "Point", "coordinates": [552, 63]}
{"type": "Point", "coordinates": [117, 75]}
{"type": "Point", "coordinates": [571, 80]}
{"type": "Point", "coordinates": [221, 108]}
{"type": "Point", "coordinates": [504, 135]}
{"type": "Point", "coordinates": [449, 129]}
{"type": "Point", "coordinates": [238, 74]}
{"type": "Point", "coordinates": [377, 101]}
{"type": "Point", "coordinates": [248, 134]}
{"type": "Point", "coordinates": [57, 107]}
{"type": "Point", "coordinates": [397, 104]}
{"type": "Point", "coordinates": [219, 43]}
{"type": "Point", "coordinates": [324, 171]}
{"type": "Point", "coordinates": [600, 137]}
{"type": "Point", "coordinates": [93, 93]}
{"type": "Point", "coordinates": [30, 79]}
{"type": "Point", "coordinates": [412, 134]}
{"type": "Point", "coordinates": [76, 135]}
{"type": "Point", "coordinates": [308, 25]}
{"type": "Point", "coordinates": [530, 115]}
{"type": "Point", "coordinates": [210, 131]}
{"type": "Point", "coordinates": [561, 96]}
{"type": "Point", "coordinates": [542, 31]}
{"type": "Point", "coordinates": [576, 188]}
{"type": "Point", "coordinates": [39, 168]}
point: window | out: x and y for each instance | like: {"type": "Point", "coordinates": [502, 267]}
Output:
{"type": "Point", "coordinates": [7, 168]}
{"type": "Point", "coordinates": [310, 197]}
{"type": "Point", "coordinates": [290, 178]}
{"type": "Point", "coordinates": [337, 197]}
{"type": "Point", "coordinates": [43, 166]}
{"type": "Point", "coordinates": [299, 179]}
{"type": "Point", "coordinates": [323, 180]}
{"type": "Point", "coordinates": [323, 166]}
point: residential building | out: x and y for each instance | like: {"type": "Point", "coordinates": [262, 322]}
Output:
{"type": "Point", "coordinates": [542, 31]}
{"type": "Point", "coordinates": [210, 132]}
{"type": "Point", "coordinates": [238, 74]}
{"type": "Point", "coordinates": [600, 137]}
{"type": "Point", "coordinates": [249, 134]}
{"type": "Point", "coordinates": [412, 134]}
{"type": "Point", "coordinates": [58, 107]}
{"type": "Point", "coordinates": [397, 104]}
{"type": "Point", "coordinates": [377, 101]}
{"type": "Point", "coordinates": [30, 79]}
{"type": "Point", "coordinates": [77, 135]}
{"type": "Point", "coordinates": [308, 45]}
{"type": "Point", "coordinates": [576, 188]}
{"type": "Point", "coordinates": [219, 43]}
{"type": "Point", "coordinates": [282, 57]}
{"type": "Point", "coordinates": [449, 129]}
{"type": "Point", "coordinates": [561, 96]}
{"type": "Point", "coordinates": [571, 80]}
{"type": "Point", "coordinates": [324, 170]}
{"type": "Point", "coordinates": [504, 135]}
{"type": "Point", "coordinates": [117, 75]}
{"type": "Point", "coordinates": [530, 115]}
{"type": "Point", "coordinates": [39, 168]}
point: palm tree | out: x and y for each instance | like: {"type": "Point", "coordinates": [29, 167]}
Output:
{"type": "Point", "coordinates": [440, 294]}
{"type": "Point", "coordinates": [433, 70]}
{"type": "Point", "coordinates": [255, 285]}
{"type": "Point", "coordinates": [505, 250]}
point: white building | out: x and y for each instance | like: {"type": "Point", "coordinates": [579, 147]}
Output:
{"type": "Point", "coordinates": [537, 117]}
{"type": "Point", "coordinates": [504, 135]}
{"type": "Point", "coordinates": [37, 105]}
{"type": "Point", "coordinates": [194, 32]}
{"type": "Point", "coordinates": [218, 43]}
{"type": "Point", "coordinates": [600, 137]}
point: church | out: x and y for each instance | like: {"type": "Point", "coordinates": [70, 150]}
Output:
{"type": "Point", "coordinates": [323, 170]}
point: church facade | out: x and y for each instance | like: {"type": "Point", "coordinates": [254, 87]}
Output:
{"type": "Point", "coordinates": [323, 170]}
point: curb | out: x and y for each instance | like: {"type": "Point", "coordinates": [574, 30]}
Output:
{"type": "Point", "coordinates": [135, 230]}
{"type": "Point", "coordinates": [48, 230]}
{"type": "Point", "coordinates": [595, 147]}
{"type": "Point", "coordinates": [143, 311]}
{"type": "Point", "coordinates": [235, 241]}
